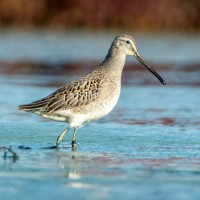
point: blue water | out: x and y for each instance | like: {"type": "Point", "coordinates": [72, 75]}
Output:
{"type": "Point", "coordinates": [54, 47]}
{"type": "Point", "coordinates": [130, 154]}
{"type": "Point", "coordinates": [148, 147]}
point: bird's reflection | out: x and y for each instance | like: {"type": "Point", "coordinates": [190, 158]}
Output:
{"type": "Point", "coordinates": [68, 161]}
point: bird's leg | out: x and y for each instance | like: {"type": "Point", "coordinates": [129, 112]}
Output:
{"type": "Point", "coordinates": [74, 139]}
{"type": "Point", "coordinates": [60, 137]}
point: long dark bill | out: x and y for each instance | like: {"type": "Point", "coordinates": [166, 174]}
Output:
{"type": "Point", "coordinates": [149, 68]}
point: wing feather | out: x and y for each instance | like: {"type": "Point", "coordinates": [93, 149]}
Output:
{"type": "Point", "coordinates": [76, 93]}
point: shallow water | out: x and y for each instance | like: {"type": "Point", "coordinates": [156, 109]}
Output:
{"type": "Point", "coordinates": [147, 147]}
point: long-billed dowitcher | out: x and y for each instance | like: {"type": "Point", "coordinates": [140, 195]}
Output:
{"type": "Point", "coordinates": [92, 96]}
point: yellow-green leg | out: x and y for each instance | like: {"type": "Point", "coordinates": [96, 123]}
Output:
{"type": "Point", "coordinates": [60, 137]}
{"type": "Point", "coordinates": [74, 147]}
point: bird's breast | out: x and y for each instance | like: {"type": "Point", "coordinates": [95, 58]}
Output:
{"type": "Point", "coordinates": [108, 99]}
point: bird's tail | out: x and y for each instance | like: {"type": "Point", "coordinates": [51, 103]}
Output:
{"type": "Point", "coordinates": [34, 106]}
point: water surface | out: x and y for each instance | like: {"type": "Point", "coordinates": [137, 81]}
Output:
{"type": "Point", "coordinates": [148, 146]}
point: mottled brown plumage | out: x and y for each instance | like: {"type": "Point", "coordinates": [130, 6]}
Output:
{"type": "Point", "coordinates": [76, 93]}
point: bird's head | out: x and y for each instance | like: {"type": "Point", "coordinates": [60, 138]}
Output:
{"type": "Point", "coordinates": [126, 44]}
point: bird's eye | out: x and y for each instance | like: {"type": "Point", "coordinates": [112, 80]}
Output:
{"type": "Point", "coordinates": [128, 42]}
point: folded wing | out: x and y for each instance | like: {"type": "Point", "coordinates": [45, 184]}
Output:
{"type": "Point", "coordinates": [76, 93]}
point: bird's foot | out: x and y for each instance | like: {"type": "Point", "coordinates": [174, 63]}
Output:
{"type": "Point", "coordinates": [74, 146]}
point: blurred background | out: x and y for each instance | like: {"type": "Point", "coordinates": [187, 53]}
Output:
{"type": "Point", "coordinates": [37, 35]}
{"type": "Point", "coordinates": [143, 15]}
{"type": "Point", "coordinates": [49, 36]}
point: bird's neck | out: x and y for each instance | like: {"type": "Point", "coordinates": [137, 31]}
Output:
{"type": "Point", "coordinates": [114, 62]}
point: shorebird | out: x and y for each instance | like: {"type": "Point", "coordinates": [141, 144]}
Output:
{"type": "Point", "coordinates": [92, 96]}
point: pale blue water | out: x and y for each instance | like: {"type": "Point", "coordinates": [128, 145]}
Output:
{"type": "Point", "coordinates": [117, 157]}
{"type": "Point", "coordinates": [49, 46]}
{"type": "Point", "coordinates": [147, 148]}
